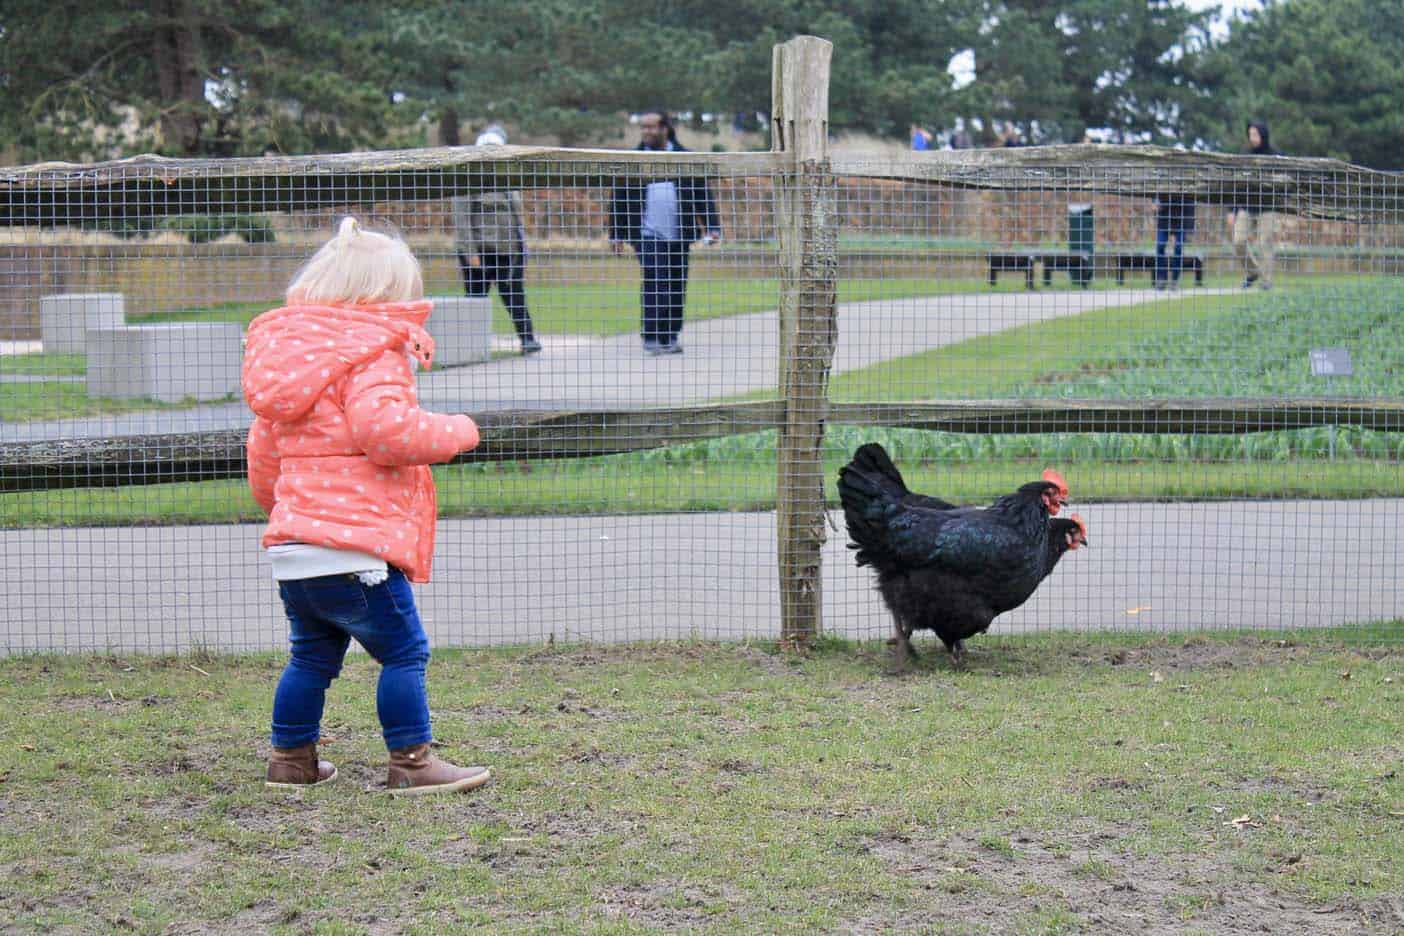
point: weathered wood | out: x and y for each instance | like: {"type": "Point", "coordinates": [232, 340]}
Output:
{"type": "Point", "coordinates": [506, 436]}
{"type": "Point", "coordinates": [153, 186]}
{"type": "Point", "coordinates": [808, 314]}
{"type": "Point", "coordinates": [1310, 187]}
{"type": "Point", "coordinates": [534, 435]}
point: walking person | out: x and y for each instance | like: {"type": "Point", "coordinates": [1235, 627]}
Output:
{"type": "Point", "coordinates": [1174, 217]}
{"type": "Point", "coordinates": [660, 220]}
{"type": "Point", "coordinates": [1252, 226]}
{"type": "Point", "coordinates": [490, 240]}
{"type": "Point", "coordinates": [338, 457]}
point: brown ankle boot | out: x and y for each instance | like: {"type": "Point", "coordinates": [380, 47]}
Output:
{"type": "Point", "coordinates": [415, 771]}
{"type": "Point", "coordinates": [298, 767]}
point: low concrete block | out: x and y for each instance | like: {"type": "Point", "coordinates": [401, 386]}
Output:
{"type": "Point", "coordinates": [64, 319]}
{"type": "Point", "coordinates": [462, 329]}
{"type": "Point", "coordinates": [169, 363]}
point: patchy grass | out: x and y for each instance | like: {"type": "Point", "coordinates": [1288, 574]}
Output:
{"type": "Point", "coordinates": [1061, 784]}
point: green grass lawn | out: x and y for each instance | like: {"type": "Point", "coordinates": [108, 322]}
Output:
{"type": "Point", "coordinates": [1060, 784]}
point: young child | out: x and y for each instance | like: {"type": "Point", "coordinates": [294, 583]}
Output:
{"type": "Point", "coordinates": [338, 457]}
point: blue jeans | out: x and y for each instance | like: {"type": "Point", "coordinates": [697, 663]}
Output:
{"type": "Point", "coordinates": [664, 287]}
{"type": "Point", "coordinates": [508, 272]}
{"type": "Point", "coordinates": [1164, 230]}
{"type": "Point", "coordinates": [323, 615]}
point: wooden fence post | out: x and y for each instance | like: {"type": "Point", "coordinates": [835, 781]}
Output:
{"type": "Point", "coordinates": [808, 235]}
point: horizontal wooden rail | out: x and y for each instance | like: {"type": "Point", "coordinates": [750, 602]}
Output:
{"type": "Point", "coordinates": [151, 186]}
{"type": "Point", "coordinates": [526, 435]}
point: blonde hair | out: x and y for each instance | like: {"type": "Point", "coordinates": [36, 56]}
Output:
{"type": "Point", "coordinates": [358, 266]}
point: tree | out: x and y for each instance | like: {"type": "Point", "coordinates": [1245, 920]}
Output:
{"type": "Point", "coordinates": [191, 77]}
{"type": "Point", "coordinates": [889, 65]}
{"type": "Point", "coordinates": [561, 67]}
{"type": "Point", "coordinates": [219, 77]}
{"type": "Point", "coordinates": [1327, 76]}
{"type": "Point", "coordinates": [1129, 65]}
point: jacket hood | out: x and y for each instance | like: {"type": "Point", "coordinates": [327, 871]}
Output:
{"type": "Point", "coordinates": [1266, 147]}
{"type": "Point", "coordinates": [294, 353]}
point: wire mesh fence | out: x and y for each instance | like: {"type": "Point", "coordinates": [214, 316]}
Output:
{"type": "Point", "coordinates": [1206, 347]}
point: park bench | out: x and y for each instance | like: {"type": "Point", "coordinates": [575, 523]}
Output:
{"type": "Point", "coordinates": [1076, 262]}
{"type": "Point", "coordinates": [1144, 260]}
{"type": "Point", "coordinates": [170, 363]}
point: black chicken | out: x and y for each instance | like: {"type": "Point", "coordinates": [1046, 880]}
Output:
{"type": "Point", "coordinates": [951, 569]}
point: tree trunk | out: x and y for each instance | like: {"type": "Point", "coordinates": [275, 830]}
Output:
{"type": "Point", "coordinates": [449, 134]}
{"type": "Point", "coordinates": [175, 49]}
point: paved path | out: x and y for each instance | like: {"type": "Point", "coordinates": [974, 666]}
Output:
{"type": "Point", "coordinates": [518, 580]}
{"type": "Point", "coordinates": [723, 357]}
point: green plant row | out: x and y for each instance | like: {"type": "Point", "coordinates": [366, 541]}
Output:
{"type": "Point", "coordinates": [732, 475]}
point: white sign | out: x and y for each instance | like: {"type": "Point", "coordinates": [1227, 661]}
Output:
{"type": "Point", "coordinates": [1331, 362]}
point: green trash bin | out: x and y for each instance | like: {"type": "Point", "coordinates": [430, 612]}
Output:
{"type": "Point", "coordinates": [1081, 238]}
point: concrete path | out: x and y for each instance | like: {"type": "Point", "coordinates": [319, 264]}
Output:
{"type": "Point", "coordinates": [519, 580]}
{"type": "Point", "coordinates": [723, 357]}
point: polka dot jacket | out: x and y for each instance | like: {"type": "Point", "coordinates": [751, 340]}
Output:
{"type": "Point", "coordinates": [339, 448]}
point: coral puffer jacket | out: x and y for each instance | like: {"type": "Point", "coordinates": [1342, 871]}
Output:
{"type": "Point", "coordinates": [339, 449]}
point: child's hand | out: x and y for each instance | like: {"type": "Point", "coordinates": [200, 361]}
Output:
{"type": "Point", "coordinates": [466, 432]}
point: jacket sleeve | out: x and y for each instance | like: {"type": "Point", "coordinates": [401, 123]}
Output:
{"type": "Point", "coordinates": [465, 237]}
{"type": "Point", "coordinates": [262, 452]}
{"type": "Point", "coordinates": [514, 205]}
{"type": "Point", "coordinates": [386, 422]}
{"type": "Point", "coordinates": [625, 206]}
{"type": "Point", "coordinates": [707, 207]}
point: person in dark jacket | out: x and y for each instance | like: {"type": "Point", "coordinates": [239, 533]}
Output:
{"type": "Point", "coordinates": [1174, 217]}
{"type": "Point", "coordinates": [1251, 225]}
{"type": "Point", "coordinates": [490, 240]}
{"type": "Point", "coordinates": [660, 219]}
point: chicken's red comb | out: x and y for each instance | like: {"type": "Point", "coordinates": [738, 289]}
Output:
{"type": "Point", "coordinates": [1053, 477]}
{"type": "Point", "coordinates": [1081, 524]}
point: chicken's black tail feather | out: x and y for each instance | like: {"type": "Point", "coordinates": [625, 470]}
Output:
{"type": "Point", "coordinates": [872, 460]}
{"type": "Point", "coordinates": [870, 496]}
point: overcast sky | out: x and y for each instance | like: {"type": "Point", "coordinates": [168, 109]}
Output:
{"type": "Point", "coordinates": [1229, 7]}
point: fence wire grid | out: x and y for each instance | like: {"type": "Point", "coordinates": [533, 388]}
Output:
{"type": "Point", "coordinates": [1211, 352]}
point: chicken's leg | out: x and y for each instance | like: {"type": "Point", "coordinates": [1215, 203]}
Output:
{"type": "Point", "coordinates": [903, 650]}
{"type": "Point", "coordinates": [957, 654]}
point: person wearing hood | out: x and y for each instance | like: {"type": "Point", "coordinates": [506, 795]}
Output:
{"type": "Point", "coordinates": [1251, 226]}
{"type": "Point", "coordinates": [338, 458]}
{"type": "Point", "coordinates": [490, 240]}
